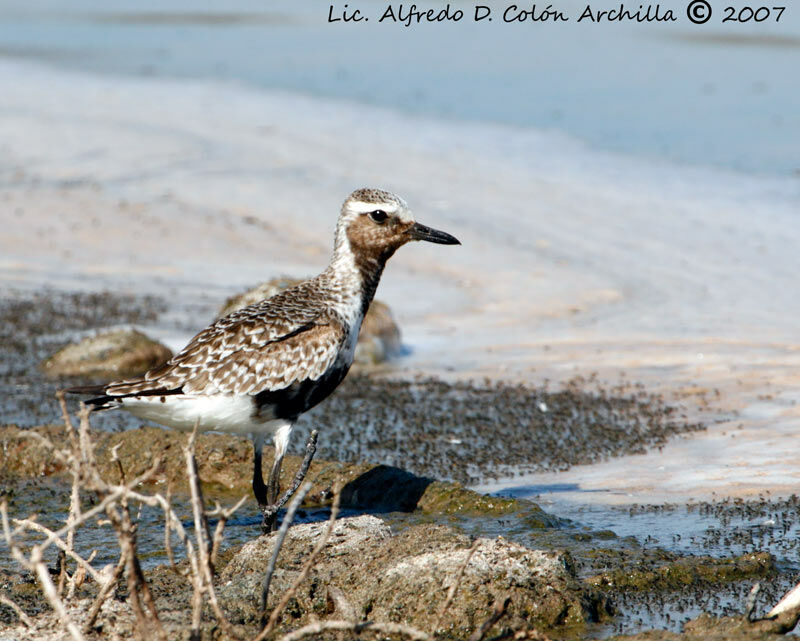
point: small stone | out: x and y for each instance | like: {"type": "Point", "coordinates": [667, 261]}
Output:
{"type": "Point", "coordinates": [378, 340]}
{"type": "Point", "coordinates": [118, 353]}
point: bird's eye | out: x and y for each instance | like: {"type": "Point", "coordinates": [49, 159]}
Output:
{"type": "Point", "coordinates": [379, 216]}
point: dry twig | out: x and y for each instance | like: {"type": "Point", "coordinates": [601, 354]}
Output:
{"type": "Point", "coordinates": [318, 627]}
{"type": "Point", "coordinates": [35, 564]}
{"type": "Point", "coordinates": [270, 512]}
{"type": "Point", "coordinates": [114, 501]}
{"type": "Point", "coordinates": [85, 564]}
{"type": "Point", "coordinates": [451, 593]}
{"type": "Point", "coordinates": [750, 606]}
{"type": "Point", "coordinates": [6, 600]}
{"type": "Point", "coordinates": [278, 610]}
{"type": "Point", "coordinates": [498, 613]}
{"type": "Point", "coordinates": [198, 508]}
{"type": "Point", "coordinates": [287, 521]}
{"type": "Point", "coordinates": [222, 518]}
{"type": "Point", "coordinates": [205, 580]}
{"type": "Point", "coordinates": [106, 585]}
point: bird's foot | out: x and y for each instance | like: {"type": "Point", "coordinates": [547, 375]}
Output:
{"type": "Point", "coordinates": [269, 512]}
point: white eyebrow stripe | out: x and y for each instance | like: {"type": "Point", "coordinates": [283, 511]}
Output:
{"type": "Point", "coordinates": [361, 207]}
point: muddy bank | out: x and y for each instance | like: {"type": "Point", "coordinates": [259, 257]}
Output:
{"type": "Point", "coordinates": [225, 468]}
{"type": "Point", "coordinates": [564, 579]}
{"type": "Point", "coordinates": [366, 572]}
{"type": "Point", "coordinates": [35, 325]}
{"type": "Point", "coordinates": [370, 570]}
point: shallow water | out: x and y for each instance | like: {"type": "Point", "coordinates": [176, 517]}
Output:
{"type": "Point", "coordinates": [719, 95]}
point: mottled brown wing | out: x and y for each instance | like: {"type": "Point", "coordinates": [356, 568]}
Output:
{"type": "Point", "coordinates": [304, 354]}
{"type": "Point", "coordinates": [246, 366]}
{"type": "Point", "coordinates": [252, 349]}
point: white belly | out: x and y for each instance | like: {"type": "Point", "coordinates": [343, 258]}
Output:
{"type": "Point", "coordinates": [219, 413]}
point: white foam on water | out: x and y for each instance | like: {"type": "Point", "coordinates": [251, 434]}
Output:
{"type": "Point", "coordinates": [572, 261]}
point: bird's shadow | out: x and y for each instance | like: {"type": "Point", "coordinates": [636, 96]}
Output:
{"type": "Point", "coordinates": [385, 489]}
{"type": "Point", "coordinates": [380, 490]}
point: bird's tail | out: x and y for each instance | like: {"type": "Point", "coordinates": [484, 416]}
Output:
{"type": "Point", "coordinates": [101, 400]}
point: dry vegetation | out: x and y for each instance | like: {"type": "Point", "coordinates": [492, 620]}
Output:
{"type": "Point", "coordinates": [115, 504]}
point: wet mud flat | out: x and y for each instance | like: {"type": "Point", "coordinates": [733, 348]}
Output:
{"type": "Point", "coordinates": [405, 449]}
{"type": "Point", "coordinates": [35, 324]}
{"type": "Point", "coordinates": [462, 431]}
{"type": "Point", "coordinates": [606, 583]}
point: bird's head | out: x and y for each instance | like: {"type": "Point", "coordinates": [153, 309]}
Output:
{"type": "Point", "coordinates": [376, 223]}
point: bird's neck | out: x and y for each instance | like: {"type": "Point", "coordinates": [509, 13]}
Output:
{"type": "Point", "coordinates": [356, 274]}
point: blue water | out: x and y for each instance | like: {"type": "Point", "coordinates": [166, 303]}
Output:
{"type": "Point", "coordinates": [720, 95]}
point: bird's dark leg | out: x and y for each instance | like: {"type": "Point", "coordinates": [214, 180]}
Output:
{"type": "Point", "coordinates": [270, 512]}
{"type": "Point", "coordinates": [259, 489]}
{"type": "Point", "coordinates": [274, 482]}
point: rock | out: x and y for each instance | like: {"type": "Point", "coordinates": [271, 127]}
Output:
{"type": "Point", "coordinates": [378, 340]}
{"type": "Point", "coordinates": [367, 570]}
{"type": "Point", "coordinates": [119, 353]}
{"type": "Point", "coordinates": [687, 572]}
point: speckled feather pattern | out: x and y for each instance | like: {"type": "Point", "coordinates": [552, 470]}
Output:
{"type": "Point", "coordinates": [293, 336]}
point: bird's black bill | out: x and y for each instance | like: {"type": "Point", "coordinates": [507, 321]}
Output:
{"type": "Point", "coordinates": [421, 232]}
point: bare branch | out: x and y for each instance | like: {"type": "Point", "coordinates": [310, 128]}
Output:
{"type": "Point", "coordinates": [198, 508]}
{"type": "Point", "coordinates": [287, 521]}
{"type": "Point", "coordinates": [137, 585]}
{"type": "Point", "coordinates": [106, 586]}
{"type": "Point", "coordinates": [80, 575]}
{"type": "Point", "coordinates": [37, 527]}
{"type": "Point", "coordinates": [6, 600]}
{"type": "Point", "coordinates": [168, 529]}
{"type": "Point", "coordinates": [451, 593]}
{"type": "Point", "coordinates": [223, 516]}
{"type": "Point", "coordinates": [61, 563]}
{"type": "Point", "coordinates": [498, 613]}
{"type": "Point", "coordinates": [270, 511]}
{"type": "Point", "coordinates": [51, 594]}
{"type": "Point", "coordinates": [72, 435]}
{"type": "Point", "coordinates": [318, 627]}
{"type": "Point", "coordinates": [36, 564]}
{"type": "Point", "coordinates": [751, 602]}
{"type": "Point", "coordinates": [205, 580]}
{"type": "Point", "coordinates": [278, 610]}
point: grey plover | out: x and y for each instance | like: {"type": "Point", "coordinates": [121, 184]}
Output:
{"type": "Point", "coordinates": [256, 370]}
